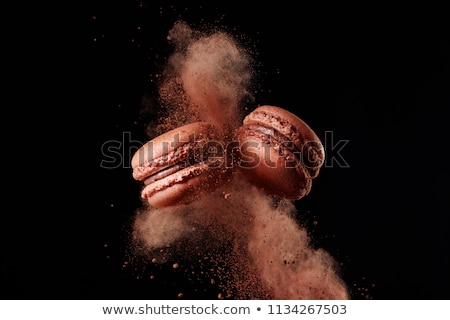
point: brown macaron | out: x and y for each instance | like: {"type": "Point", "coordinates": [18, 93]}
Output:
{"type": "Point", "coordinates": [180, 165]}
{"type": "Point", "coordinates": [279, 152]}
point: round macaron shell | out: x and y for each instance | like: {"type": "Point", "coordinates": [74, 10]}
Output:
{"type": "Point", "coordinates": [267, 164]}
{"type": "Point", "coordinates": [188, 183]}
{"type": "Point", "coordinates": [295, 129]}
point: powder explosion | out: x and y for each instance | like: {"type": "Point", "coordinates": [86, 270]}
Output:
{"type": "Point", "coordinates": [250, 242]}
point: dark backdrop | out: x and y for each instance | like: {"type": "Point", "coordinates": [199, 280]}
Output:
{"type": "Point", "coordinates": [377, 78]}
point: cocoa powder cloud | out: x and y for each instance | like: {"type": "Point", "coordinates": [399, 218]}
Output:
{"type": "Point", "coordinates": [253, 241]}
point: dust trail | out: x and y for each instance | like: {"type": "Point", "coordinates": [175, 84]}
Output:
{"type": "Point", "coordinates": [285, 260]}
{"type": "Point", "coordinates": [251, 242]}
{"type": "Point", "coordinates": [206, 79]}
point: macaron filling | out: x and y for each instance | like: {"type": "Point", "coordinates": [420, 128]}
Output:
{"type": "Point", "coordinates": [187, 161]}
{"type": "Point", "coordinates": [286, 147]}
{"type": "Point", "coordinates": [283, 126]}
{"type": "Point", "coordinates": [165, 173]}
{"type": "Point", "coordinates": [179, 176]}
{"type": "Point", "coordinates": [154, 165]}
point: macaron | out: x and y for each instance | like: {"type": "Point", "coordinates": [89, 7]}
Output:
{"type": "Point", "coordinates": [180, 165]}
{"type": "Point", "coordinates": [279, 153]}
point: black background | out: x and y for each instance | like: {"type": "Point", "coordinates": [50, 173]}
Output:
{"type": "Point", "coordinates": [375, 77]}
